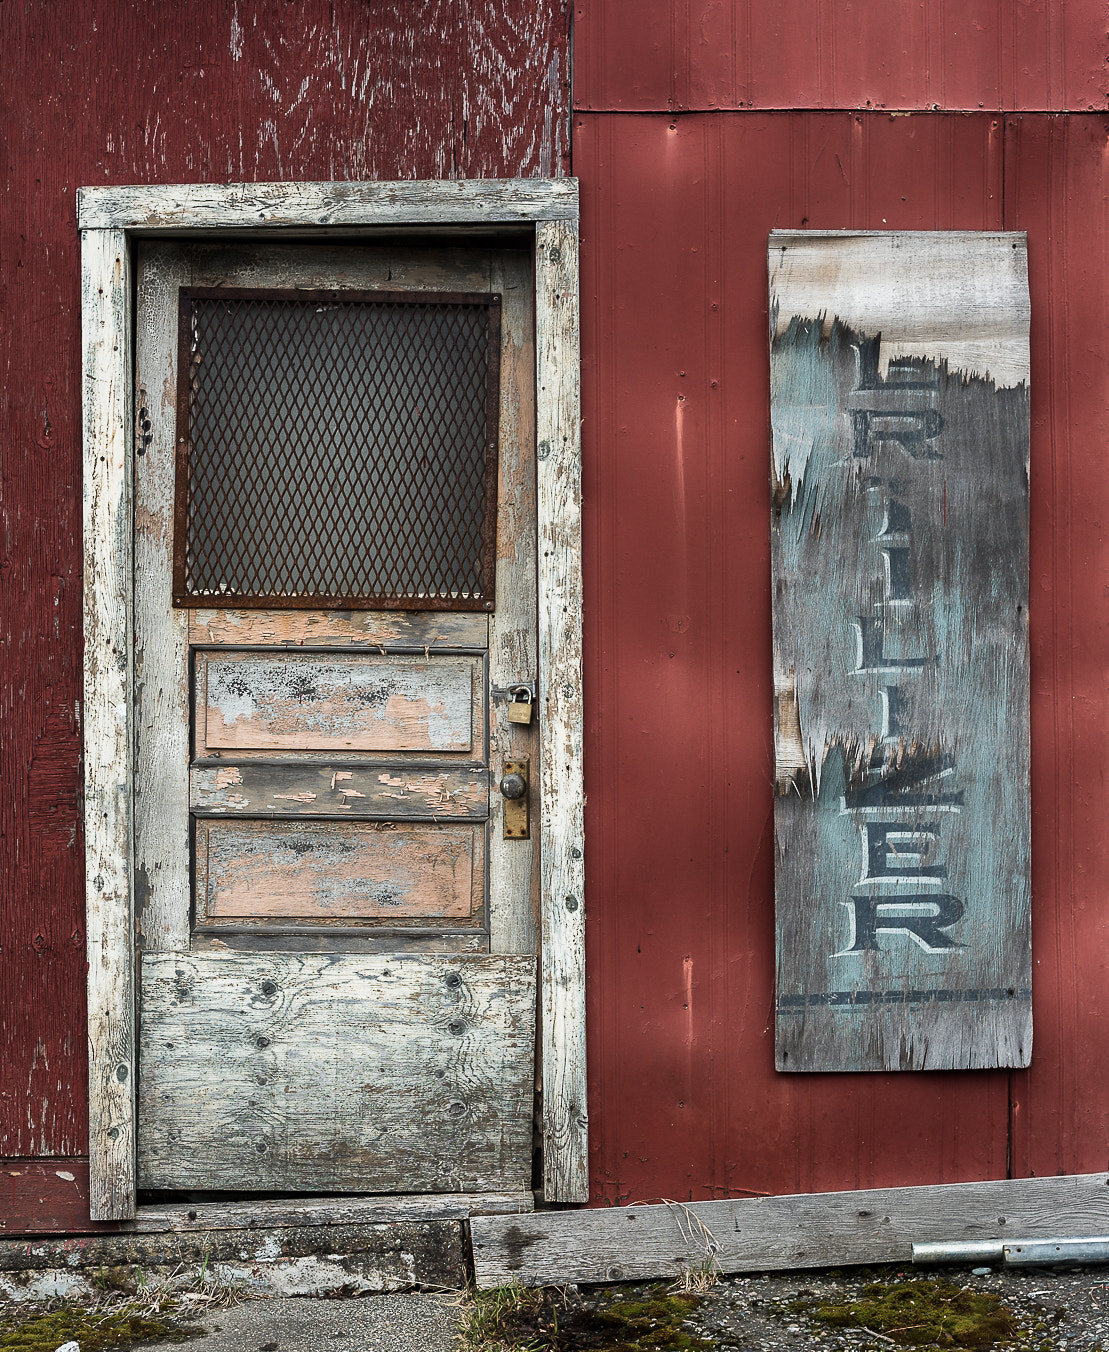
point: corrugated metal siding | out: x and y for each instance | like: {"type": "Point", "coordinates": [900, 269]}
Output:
{"type": "Point", "coordinates": [992, 55]}
{"type": "Point", "coordinates": [122, 91]}
{"type": "Point", "coordinates": [676, 212]}
{"type": "Point", "coordinates": [1055, 188]}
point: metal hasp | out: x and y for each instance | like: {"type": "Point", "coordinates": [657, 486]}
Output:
{"type": "Point", "coordinates": [514, 789]}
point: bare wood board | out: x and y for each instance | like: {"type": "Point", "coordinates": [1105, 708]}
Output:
{"type": "Point", "coordinates": [899, 408]}
{"type": "Point", "coordinates": [191, 1217]}
{"type": "Point", "coordinates": [761, 1234]}
{"type": "Point", "coordinates": [305, 1072]}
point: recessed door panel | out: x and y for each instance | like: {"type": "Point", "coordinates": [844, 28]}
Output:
{"type": "Point", "coordinates": [259, 873]}
{"type": "Point", "coordinates": [344, 702]}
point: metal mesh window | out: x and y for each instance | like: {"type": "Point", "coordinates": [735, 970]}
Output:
{"type": "Point", "coordinates": [336, 449]}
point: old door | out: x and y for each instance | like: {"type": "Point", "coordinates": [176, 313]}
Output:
{"type": "Point", "coordinates": [334, 615]}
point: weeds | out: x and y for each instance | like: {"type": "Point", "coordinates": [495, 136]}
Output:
{"type": "Point", "coordinates": [549, 1319]}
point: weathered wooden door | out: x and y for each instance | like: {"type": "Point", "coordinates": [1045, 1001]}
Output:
{"type": "Point", "coordinates": [335, 597]}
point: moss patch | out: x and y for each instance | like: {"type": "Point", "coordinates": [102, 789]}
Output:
{"type": "Point", "coordinates": [918, 1314]}
{"type": "Point", "coordinates": [549, 1320]}
{"type": "Point", "coordinates": [126, 1326]}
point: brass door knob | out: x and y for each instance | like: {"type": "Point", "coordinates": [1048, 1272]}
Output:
{"type": "Point", "coordinates": [514, 786]}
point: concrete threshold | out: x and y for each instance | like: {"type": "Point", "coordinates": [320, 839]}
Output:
{"type": "Point", "coordinates": [287, 1247]}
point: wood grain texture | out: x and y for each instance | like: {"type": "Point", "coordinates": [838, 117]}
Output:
{"type": "Point", "coordinates": [311, 92]}
{"type": "Point", "coordinates": [759, 1234]}
{"type": "Point", "coordinates": [293, 702]}
{"type": "Point", "coordinates": [258, 873]}
{"type": "Point", "coordinates": [201, 1217]}
{"type": "Point", "coordinates": [899, 554]}
{"type": "Point", "coordinates": [163, 884]}
{"type": "Point", "coordinates": [259, 787]}
{"type": "Point", "coordinates": [358, 1258]}
{"type": "Point", "coordinates": [513, 636]}
{"type": "Point", "coordinates": [106, 339]}
{"type": "Point", "coordinates": [42, 1197]}
{"type": "Point", "coordinates": [387, 630]}
{"type": "Point", "coordinates": [293, 1072]}
{"type": "Point", "coordinates": [191, 206]}
{"type": "Point", "coordinates": [562, 805]}
{"type": "Point", "coordinates": [290, 938]}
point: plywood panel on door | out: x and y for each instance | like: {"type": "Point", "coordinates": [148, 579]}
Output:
{"type": "Point", "coordinates": [336, 1072]}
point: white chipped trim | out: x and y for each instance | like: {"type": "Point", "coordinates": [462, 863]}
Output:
{"type": "Point", "coordinates": [562, 986]}
{"type": "Point", "coordinates": [108, 217]}
{"type": "Point", "coordinates": [221, 206]}
{"type": "Point", "coordinates": [108, 729]}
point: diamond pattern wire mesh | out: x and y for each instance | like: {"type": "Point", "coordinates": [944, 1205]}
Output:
{"type": "Point", "coordinates": [337, 449]}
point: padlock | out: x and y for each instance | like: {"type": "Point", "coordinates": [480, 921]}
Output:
{"type": "Point", "coordinates": [520, 706]}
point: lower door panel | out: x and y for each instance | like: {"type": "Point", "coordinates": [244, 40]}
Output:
{"type": "Point", "coordinates": [336, 1072]}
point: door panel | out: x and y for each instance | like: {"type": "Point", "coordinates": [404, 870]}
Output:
{"type": "Point", "coordinates": [323, 790]}
{"type": "Point", "coordinates": [304, 702]}
{"type": "Point", "coordinates": [260, 872]}
{"type": "Point", "coordinates": [315, 818]}
{"type": "Point", "coordinates": [299, 1072]}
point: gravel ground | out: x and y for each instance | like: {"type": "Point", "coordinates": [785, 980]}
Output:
{"type": "Point", "coordinates": [412, 1322]}
{"type": "Point", "coordinates": [1053, 1310]}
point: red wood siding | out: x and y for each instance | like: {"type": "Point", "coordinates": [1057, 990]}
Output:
{"type": "Point", "coordinates": [42, 1197]}
{"type": "Point", "coordinates": [668, 55]}
{"type": "Point", "coordinates": [676, 212]}
{"type": "Point", "coordinates": [124, 91]}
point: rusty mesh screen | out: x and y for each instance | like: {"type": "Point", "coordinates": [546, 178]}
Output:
{"type": "Point", "coordinates": [336, 449]}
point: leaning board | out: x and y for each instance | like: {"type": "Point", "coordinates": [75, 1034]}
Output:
{"type": "Point", "coordinates": [899, 409]}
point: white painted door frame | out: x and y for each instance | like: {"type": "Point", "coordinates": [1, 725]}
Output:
{"type": "Point", "coordinates": [109, 219]}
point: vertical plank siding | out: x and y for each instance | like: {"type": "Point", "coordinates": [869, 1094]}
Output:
{"type": "Point", "coordinates": [312, 92]}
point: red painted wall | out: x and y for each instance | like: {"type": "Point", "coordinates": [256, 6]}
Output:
{"type": "Point", "coordinates": [975, 55]}
{"type": "Point", "coordinates": [144, 91]}
{"type": "Point", "coordinates": [676, 211]}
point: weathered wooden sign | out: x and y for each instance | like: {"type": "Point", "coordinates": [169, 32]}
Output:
{"type": "Point", "coordinates": [899, 396]}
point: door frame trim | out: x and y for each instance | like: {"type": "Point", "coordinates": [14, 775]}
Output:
{"type": "Point", "coordinates": [109, 220]}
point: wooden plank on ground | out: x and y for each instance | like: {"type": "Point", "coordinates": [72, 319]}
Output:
{"type": "Point", "coordinates": [761, 1234]}
{"type": "Point", "coordinates": [899, 407]}
{"type": "Point", "coordinates": [341, 1072]}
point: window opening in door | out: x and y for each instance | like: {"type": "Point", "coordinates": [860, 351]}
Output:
{"type": "Point", "coordinates": [337, 449]}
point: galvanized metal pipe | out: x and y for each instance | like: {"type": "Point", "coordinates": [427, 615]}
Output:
{"type": "Point", "coordinates": [1015, 1252]}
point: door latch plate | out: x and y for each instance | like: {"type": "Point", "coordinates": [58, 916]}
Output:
{"type": "Point", "coordinates": [516, 824]}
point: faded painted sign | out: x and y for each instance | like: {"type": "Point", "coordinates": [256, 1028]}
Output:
{"type": "Point", "coordinates": [899, 394]}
